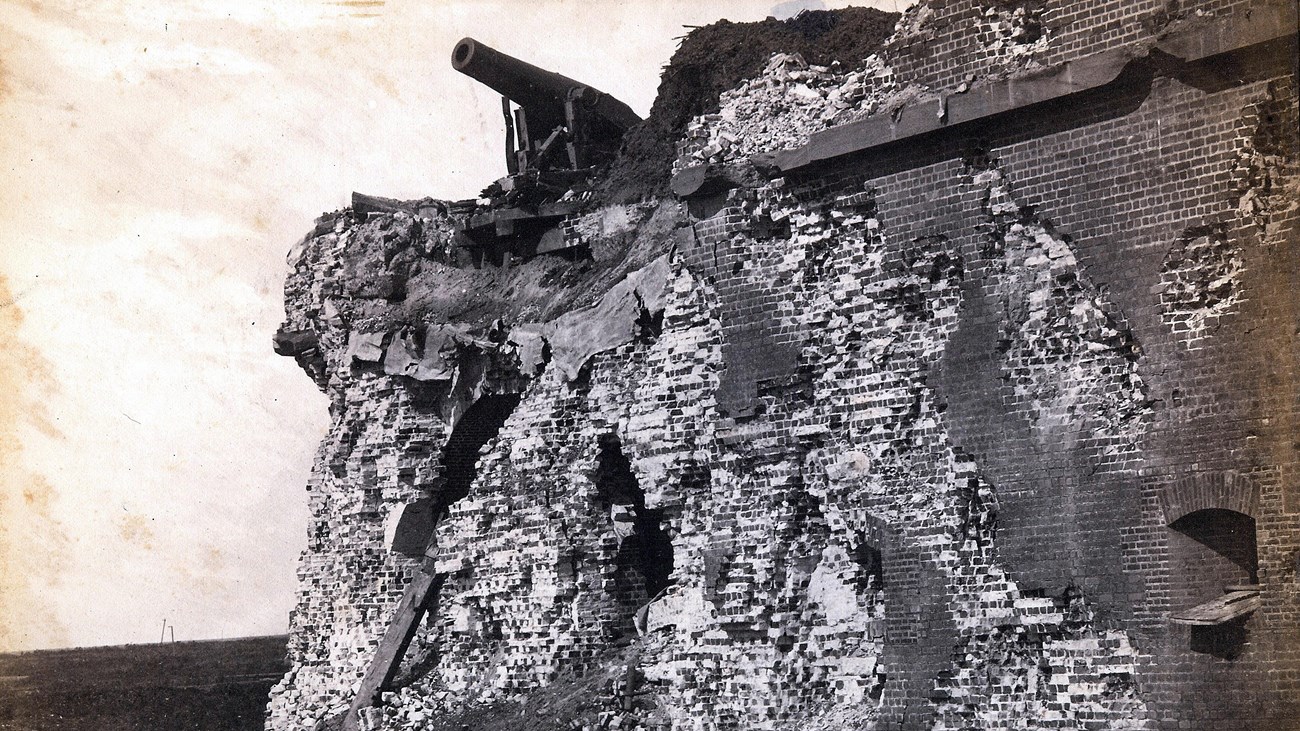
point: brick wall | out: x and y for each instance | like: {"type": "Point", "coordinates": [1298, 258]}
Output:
{"type": "Point", "coordinates": [947, 43]}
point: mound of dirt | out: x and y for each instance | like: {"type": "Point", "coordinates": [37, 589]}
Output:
{"type": "Point", "coordinates": [717, 57]}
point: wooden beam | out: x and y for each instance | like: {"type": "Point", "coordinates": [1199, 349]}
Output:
{"type": "Point", "coordinates": [1226, 608]}
{"type": "Point", "coordinates": [419, 594]}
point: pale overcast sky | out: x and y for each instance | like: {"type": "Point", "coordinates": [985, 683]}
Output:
{"type": "Point", "coordinates": [160, 159]}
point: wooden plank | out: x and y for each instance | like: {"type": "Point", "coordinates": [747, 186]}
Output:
{"type": "Point", "coordinates": [388, 658]}
{"type": "Point", "coordinates": [1218, 611]}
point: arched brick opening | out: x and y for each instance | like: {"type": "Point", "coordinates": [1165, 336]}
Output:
{"type": "Point", "coordinates": [1215, 587]}
{"type": "Point", "coordinates": [1203, 491]}
{"type": "Point", "coordinates": [1212, 540]}
{"type": "Point", "coordinates": [1215, 548]}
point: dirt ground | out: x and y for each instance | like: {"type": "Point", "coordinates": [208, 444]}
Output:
{"type": "Point", "coordinates": [570, 702]}
{"type": "Point", "coordinates": [212, 686]}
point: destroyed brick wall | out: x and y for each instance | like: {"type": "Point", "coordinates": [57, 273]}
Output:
{"type": "Point", "coordinates": [1199, 276]}
{"type": "Point", "coordinates": [941, 434]}
{"type": "Point", "coordinates": [943, 44]}
{"type": "Point", "coordinates": [715, 58]}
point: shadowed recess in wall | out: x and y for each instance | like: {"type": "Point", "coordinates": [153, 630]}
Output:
{"type": "Point", "coordinates": [1224, 547]}
{"type": "Point", "coordinates": [476, 428]}
{"type": "Point", "coordinates": [644, 562]}
{"type": "Point", "coordinates": [1218, 555]}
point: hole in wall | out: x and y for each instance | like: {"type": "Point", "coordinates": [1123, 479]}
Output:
{"type": "Point", "coordinates": [871, 575]}
{"type": "Point", "coordinates": [643, 565]}
{"type": "Point", "coordinates": [649, 326]}
{"type": "Point", "coordinates": [765, 229]}
{"type": "Point", "coordinates": [1225, 641]}
{"type": "Point", "coordinates": [1217, 557]}
{"type": "Point", "coordinates": [1217, 548]}
{"type": "Point", "coordinates": [480, 423]}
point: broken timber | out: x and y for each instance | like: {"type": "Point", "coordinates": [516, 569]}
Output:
{"type": "Point", "coordinates": [1230, 606]}
{"type": "Point", "coordinates": [420, 594]}
{"type": "Point", "coordinates": [518, 231]}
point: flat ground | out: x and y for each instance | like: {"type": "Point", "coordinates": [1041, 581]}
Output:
{"type": "Point", "coordinates": [218, 685]}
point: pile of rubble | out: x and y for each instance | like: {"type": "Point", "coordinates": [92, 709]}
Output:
{"type": "Point", "coordinates": [720, 58]}
{"type": "Point", "coordinates": [1013, 32]}
{"type": "Point", "coordinates": [779, 108]}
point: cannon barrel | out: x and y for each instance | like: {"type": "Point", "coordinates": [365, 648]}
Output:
{"type": "Point", "coordinates": [532, 87]}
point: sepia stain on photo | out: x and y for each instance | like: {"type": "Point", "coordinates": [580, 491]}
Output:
{"type": "Point", "coordinates": [656, 365]}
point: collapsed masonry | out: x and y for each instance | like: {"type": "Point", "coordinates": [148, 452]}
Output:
{"type": "Point", "coordinates": [952, 386]}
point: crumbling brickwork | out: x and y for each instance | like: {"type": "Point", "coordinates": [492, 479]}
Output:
{"type": "Point", "coordinates": [946, 434]}
{"type": "Point", "coordinates": [1199, 276]}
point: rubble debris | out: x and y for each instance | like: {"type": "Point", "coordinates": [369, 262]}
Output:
{"type": "Point", "coordinates": [1012, 32]}
{"type": "Point", "coordinates": [781, 108]}
{"type": "Point", "coordinates": [716, 58]}
{"type": "Point", "coordinates": [366, 347]}
{"type": "Point", "coordinates": [1200, 281]}
{"type": "Point", "coordinates": [295, 342]}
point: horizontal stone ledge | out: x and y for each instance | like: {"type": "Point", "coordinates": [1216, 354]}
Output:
{"type": "Point", "coordinates": [1190, 42]}
{"type": "Point", "coordinates": [951, 111]}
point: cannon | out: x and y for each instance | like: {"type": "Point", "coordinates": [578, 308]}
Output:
{"type": "Point", "coordinates": [551, 112]}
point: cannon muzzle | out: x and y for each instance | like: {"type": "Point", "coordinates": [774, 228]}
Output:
{"type": "Point", "coordinates": [530, 87]}
{"type": "Point", "coordinates": [554, 108]}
